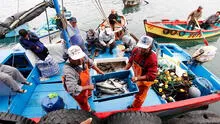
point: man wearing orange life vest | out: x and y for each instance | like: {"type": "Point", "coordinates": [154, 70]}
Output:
{"type": "Point", "coordinates": [144, 63]}
{"type": "Point", "coordinates": [76, 77]}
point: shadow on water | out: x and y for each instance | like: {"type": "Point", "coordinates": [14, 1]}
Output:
{"type": "Point", "coordinates": [132, 9]}
{"type": "Point", "coordinates": [186, 43]}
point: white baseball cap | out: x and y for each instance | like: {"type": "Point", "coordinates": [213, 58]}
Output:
{"type": "Point", "coordinates": [145, 42]}
{"type": "Point", "coordinates": [75, 52]}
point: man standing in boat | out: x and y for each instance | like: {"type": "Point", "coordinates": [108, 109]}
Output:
{"type": "Point", "coordinates": [113, 19]}
{"type": "Point", "coordinates": [211, 20]}
{"type": "Point", "coordinates": [76, 78]}
{"type": "Point", "coordinates": [144, 63]}
{"type": "Point", "coordinates": [107, 39]}
{"type": "Point", "coordinates": [74, 34]}
{"type": "Point", "coordinates": [193, 16]}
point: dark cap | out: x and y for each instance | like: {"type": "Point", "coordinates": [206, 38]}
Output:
{"type": "Point", "coordinates": [22, 32]}
{"type": "Point", "coordinates": [72, 19]}
{"type": "Point", "coordinates": [200, 7]}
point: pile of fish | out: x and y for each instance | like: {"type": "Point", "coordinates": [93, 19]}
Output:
{"type": "Point", "coordinates": [111, 86]}
{"type": "Point", "coordinates": [111, 66]}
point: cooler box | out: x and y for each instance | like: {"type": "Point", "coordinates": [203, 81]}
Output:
{"type": "Point", "coordinates": [122, 75]}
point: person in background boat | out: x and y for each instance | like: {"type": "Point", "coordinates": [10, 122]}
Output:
{"type": "Point", "coordinates": [144, 63]}
{"type": "Point", "coordinates": [30, 41]}
{"type": "Point", "coordinates": [75, 36]}
{"type": "Point", "coordinates": [193, 16]}
{"type": "Point", "coordinates": [113, 19]}
{"type": "Point", "coordinates": [211, 20]}
{"type": "Point", "coordinates": [107, 39]}
{"type": "Point", "coordinates": [76, 78]}
{"type": "Point", "coordinates": [92, 38]}
{"type": "Point", "coordinates": [129, 43]}
{"type": "Point", "coordinates": [11, 76]}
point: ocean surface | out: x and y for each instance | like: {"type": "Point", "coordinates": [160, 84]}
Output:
{"type": "Point", "coordinates": [89, 16]}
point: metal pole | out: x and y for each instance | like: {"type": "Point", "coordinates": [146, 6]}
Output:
{"type": "Point", "coordinates": [65, 35]}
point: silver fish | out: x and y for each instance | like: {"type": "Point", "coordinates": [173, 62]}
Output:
{"type": "Point", "coordinates": [109, 91]}
{"type": "Point", "coordinates": [105, 85]}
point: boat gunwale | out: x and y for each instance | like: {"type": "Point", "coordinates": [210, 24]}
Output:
{"type": "Point", "coordinates": [175, 22]}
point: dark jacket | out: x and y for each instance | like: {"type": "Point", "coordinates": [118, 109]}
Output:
{"type": "Point", "coordinates": [34, 44]}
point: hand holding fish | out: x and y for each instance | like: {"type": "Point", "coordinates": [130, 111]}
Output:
{"type": "Point", "coordinates": [134, 79]}
{"type": "Point", "coordinates": [88, 87]}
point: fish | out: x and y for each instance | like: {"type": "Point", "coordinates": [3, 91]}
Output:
{"type": "Point", "coordinates": [106, 85]}
{"type": "Point", "coordinates": [111, 86]}
{"type": "Point", "coordinates": [109, 91]}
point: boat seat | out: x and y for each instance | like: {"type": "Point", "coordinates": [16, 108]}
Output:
{"type": "Point", "coordinates": [6, 91]}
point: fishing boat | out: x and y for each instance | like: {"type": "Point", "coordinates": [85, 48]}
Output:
{"type": "Point", "coordinates": [29, 104]}
{"type": "Point", "coordinates": [177, 30]}
{"type": "Point", "coordinates": [129, 3]}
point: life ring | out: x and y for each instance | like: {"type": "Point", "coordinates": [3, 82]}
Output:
{"type": "Point", "coordinates": [166, 31]}
{"type": "Point", "coordinates": [173, 32]}
{"type": "Point", "coordinates": [182, 33]}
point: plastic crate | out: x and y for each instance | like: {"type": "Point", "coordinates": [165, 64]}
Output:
{"type": "Point", "coordinates": [123, 75]}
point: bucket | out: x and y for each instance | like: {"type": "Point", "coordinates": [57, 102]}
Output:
{"type": "Point", "coordinates": [52, 102]}
{"type": "Point", "coordinates": [120, 50]}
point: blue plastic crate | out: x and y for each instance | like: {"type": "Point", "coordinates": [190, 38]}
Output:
{"type": "Point", "coordinates": [123, 75]}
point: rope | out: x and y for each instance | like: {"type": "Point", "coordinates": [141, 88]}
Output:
{"type": "Point", "coordinates": [47, 24]}
{"type": "Point", "coordinates": [101, 10]}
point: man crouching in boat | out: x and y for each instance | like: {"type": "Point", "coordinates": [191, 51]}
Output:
{"type": "Point", "coordinates": [76, 77]}
{"type": "Point", "coordinates": [107, 39]}
{"type": "Point", "coordinates": [144, 63]}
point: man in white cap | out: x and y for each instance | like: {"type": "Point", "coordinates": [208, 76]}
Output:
{"type": "Point", "coordinates": [144, 63]}
{"type": "Point", "coordinates": [76, 76]}
{"type": "Point", "coordinates": [107, 39]}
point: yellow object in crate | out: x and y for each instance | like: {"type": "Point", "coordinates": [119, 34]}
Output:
{"type": "Point", "coordinates": [120, 50]}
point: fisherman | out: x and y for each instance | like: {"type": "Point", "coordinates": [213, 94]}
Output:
{"type": "Point", "coordinates": [211, 20]}
{"type": "Point", "coordinates": [129, 43]}
{"type": "Point", "coordinates": [75, 36]}
{"type": "Point", "coordinates": [113, 19]}
{"type": "Point", "coordinates": [144, 63]}
{"type": "Point", "coordinates": [11, 76]}
{"type": "Point", "coordinates": [107, 39]}
{"type": "Point", "coordinates": [92, 38]}
{"type": "Point", "coordinates": [193, 17]}
{"type": "Point", "coordinates": [76, 76]}
{"type": "Point", "coordinates": [47, 65]}
{"type": "Point", "coordinates": [30, 41]}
